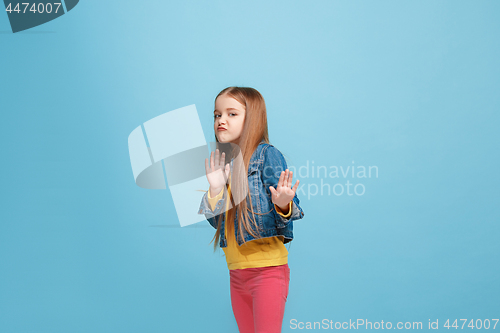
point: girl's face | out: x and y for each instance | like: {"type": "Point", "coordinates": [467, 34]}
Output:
{"type": "Point", "coordinates": [229, 117]}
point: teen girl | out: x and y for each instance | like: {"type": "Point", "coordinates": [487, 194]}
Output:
{"type": "Point", "coordinates": [253, 241]}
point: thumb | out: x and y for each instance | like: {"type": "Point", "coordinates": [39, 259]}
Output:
{"type": "Point", "coordinates": [273, 191]}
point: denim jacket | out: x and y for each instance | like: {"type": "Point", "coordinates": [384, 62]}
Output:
{"type": "Point", "coordinates": [264, 170]}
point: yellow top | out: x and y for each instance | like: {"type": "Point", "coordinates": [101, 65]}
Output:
{"type": "Point", "coordinates": [262, 252]}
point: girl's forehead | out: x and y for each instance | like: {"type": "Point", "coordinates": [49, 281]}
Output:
{"type": "Point", "coordinates": [227, 103]}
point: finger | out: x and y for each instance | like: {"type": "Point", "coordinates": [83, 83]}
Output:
{"type": "Point", "coordinates": [282, 177]}
{"type": "Point", "coordinates": [222, 159]}
{"type": "Point", "coordinates": [273, 191]}
{"type": "Point", "coordinates": [216, 163]}
{"type": "Point", "coordinates": [294, 188]}
{"type": "Point", "coordinates": [288, 182]}
{"type": "Point", "coordinates": [206, 166]}
{"type": "Point", "coordinates": [212, 161]}
{"type": "Point", "coordinates": [290, 179]}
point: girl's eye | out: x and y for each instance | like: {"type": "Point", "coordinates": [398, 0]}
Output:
{"type": "Point", "coordinates": [218, 115]}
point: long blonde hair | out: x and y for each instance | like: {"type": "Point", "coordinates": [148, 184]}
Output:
{"type": "Point", "coordinates": [254, 131]}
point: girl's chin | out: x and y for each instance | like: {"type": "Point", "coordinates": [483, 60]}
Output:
{"type": "Point", "coordinates": [223, 140]}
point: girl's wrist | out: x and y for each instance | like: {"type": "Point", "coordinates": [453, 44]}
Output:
{"type": "Point", "coordinates": [285, 208]}
{"type": "Point", "coordinates": [214, 191]}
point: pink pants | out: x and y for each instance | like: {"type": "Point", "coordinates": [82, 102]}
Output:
{"type": "Point", "coordinates": [258, 297]}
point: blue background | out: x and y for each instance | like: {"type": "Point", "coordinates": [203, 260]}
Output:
{"type": "Point", "coordinates": [408, 86]}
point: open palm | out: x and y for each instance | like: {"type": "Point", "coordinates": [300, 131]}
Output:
{"type": "Point", "coordinates": [217, 171]}
{"type": "Point", "coordinates": [283, 194]}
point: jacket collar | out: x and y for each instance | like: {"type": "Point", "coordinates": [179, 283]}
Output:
{"type": "Point", "coordinates": [256, 153]}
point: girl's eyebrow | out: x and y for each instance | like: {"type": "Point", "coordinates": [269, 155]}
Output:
{"type": "Point", "coordinates": [228, 109]}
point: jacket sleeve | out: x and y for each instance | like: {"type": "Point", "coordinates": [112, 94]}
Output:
{"type": "Point", "coordinates": [213, 201]}
{"type": "Point", "coordinates": [290, 204]}
{"type": "Point", "coordinates": [274, 163]}
{"type": "Point", "coordinates": [209, 210]}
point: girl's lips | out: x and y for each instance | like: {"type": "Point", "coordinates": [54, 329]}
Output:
{"type": "Point", "coordinates": [221, 129]}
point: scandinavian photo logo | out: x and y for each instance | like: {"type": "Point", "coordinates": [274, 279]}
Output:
{"type": "Point", "coordinates": [318, 179]}
{"type": "Point", "coordinates": [163, 154]}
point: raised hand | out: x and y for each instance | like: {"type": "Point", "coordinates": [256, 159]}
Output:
{"type": "Point", "coordinates": [217, 172]}
{"type": "Point", "coordinates": [283, 194]}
